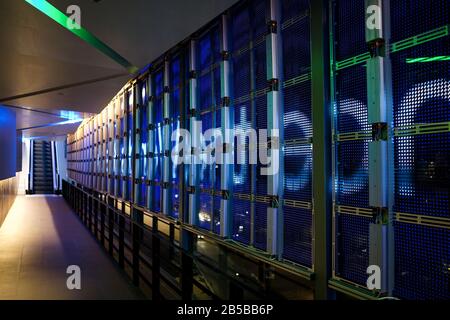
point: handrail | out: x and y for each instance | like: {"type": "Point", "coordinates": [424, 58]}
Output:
{"type": "Point", "coordinates": [98, 211]}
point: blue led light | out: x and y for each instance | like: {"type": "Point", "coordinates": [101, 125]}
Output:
{"type": "Point", "coordinates": [242, 124]}
{"type": "Point", "coordinates": [297, 180]}
{"type": "Point", "coordinates": [351, 183]}
{"type": "Point", "coordinates": [69, 115]}
{"type": "Point", "coordinates": [406, 116]}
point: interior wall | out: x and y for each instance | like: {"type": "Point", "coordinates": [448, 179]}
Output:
{"type": "Point", "coordinates": [22, 176]}
{"type": "Point", "coordinates": [8, 163]}
{"type": "Point", "coordinates": [8, 191]}
{"type": "Point", "coordinates": [61, 158]}
{"type": "Point", "coordinates": [8, 143]}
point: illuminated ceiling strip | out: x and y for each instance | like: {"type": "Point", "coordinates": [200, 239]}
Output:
{"type": "Point", "coordinates": [54, 124]}
{"type": "Point", "coordinates": [428, 59]}
{"type": "Point", "coordinates": [52, 12]}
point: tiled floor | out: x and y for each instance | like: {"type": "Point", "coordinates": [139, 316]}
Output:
{"type": "Point", "coordinates": [39, 239]}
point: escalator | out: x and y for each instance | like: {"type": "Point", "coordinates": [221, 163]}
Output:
{"type": "Point", "coordinates": [42, 168]}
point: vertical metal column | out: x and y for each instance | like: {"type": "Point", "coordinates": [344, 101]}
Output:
{"type": "Point", "coordinates": [132, 152]}
{"type": "Point", "coordinates": [137, 172]}
{"type": "Point", "coordinates": [95, 153]}
{"type": "Point", "coordinates": [91, 154]}
{"type": "Point", "coordinates": [379, 104]}
{"type": "Point", "coordinates": [194, 195]}
{"type": "Point", "coordinates": [103, 150]}
{"type": "Point", "coordinates": [252, 167]}
{"type": "Point", "coordinates": [150, 142]}
{"type": "Point", "coordinates": [183, 212]}
{"type": "Point", "coordinates": [321, 117]}
{"type": "Point", "coordinates": [98, 152]}
{"type": "Point", "coordinates": [274, 124]}
{"type": "Point", "coordinates": [53, 155]}
{"type": "Point", "coordinates": [228, 138]}
{"type": "Point", "coordinates": [116, 145]}
{"type": "Point", "coordinates": [167, 183]}
{"type": "Point", "coordinates": [110, 138]}
{"type": "Point", "coordinates": [125, 146]}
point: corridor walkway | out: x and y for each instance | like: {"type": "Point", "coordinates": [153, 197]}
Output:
{"type": "Point", "coordinates": [39, 239]}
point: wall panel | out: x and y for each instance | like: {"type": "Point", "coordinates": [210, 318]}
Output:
{"type": "Point", "coordinates": [191, 82]}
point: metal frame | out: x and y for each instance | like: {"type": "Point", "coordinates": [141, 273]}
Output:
{"type": "Point", "coordinates": [324, 67]}
{"type": "Point", "coordinates": [322, 207]}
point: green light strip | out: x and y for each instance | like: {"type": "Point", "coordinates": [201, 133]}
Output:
{"type": "Point", "coordinates": [52, 12]}
{"type": "Point", "coordinates": [398, 46]}
{"type": "Point", "coordinates": [418, 129]}
{"type": "Point", "coordinates": [428, 59]}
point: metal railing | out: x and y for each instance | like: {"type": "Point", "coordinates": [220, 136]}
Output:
{"type": "Point", "coordinates": [161, 256]}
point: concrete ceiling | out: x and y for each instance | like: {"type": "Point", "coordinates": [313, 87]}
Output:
{"type": "Point", "coordinates": [37, 54]}
{"type": "Point", "coordinates": [46, 123]}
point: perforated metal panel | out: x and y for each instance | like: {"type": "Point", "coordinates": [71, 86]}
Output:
{"type": "Point", "coordinates": [205, 215]}
{"type": "Point", "coordinates": [352, 257]}
{"type": "Point", "coordinates": [242, 169]}
{"type": "Point", "coordinates": [142, 149]}
{"type": "Point", "coordinates": [349, 28]}
{"type": "Point", "coordinates": [410, 18]}
{"type": "Point", "coordinates": [209, 99]}
{"type": "Point", "coordinates": [421, 97]}
{"type": "Point", "coordinates": [422, 256]}
{"type": "Point", "coordinates": [297, 150]}
{"type": "Point", "coordinates": [297, 112]}
{"type": "Point", "coordinates": [351, 100]}
{"type": "Point", "coordinates": [298, 235]}
{"type": "Point", "coordinates": [297, 172]}
{"type": "Point", "coordinates": [351, 152]}
{"type": "Point", "coordinates": [241, 220]}
{"type": "Point", "coordinates": [260, 225]}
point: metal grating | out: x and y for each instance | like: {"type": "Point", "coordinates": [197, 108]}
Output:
{"type": "Point", "coordinates": [421, 97]}
{"type": "Point", "coordinates": [296, 49]}
{"type": "Point", "coordinates": [204, 87]}
{"type": "Point", "coordinates": [351, 100]}
{"type": "Point", "coordinates": [216, 214]}
{"type": "Point", "coordinates": [241, 75]}
{"type": "Point", "coordinates": [422, 262]}
{"type": "Point", "coordinates": [422, 174]}
{"type": "Point", "coordinates": [352, 257]}
{"type": "Point", "coordinates": [260, 225]}
{"type": "Point", "coordinates": [298, 235]}
{"type": "Point", "coordinates": [259, 18]}
{"type": "Point", "coordinates": [409, 18]}
{"type": "Point", "coordinates": [241, 175]}
{"type": "Point", "coordinates": [175, 202]}
{"type": "Point", "coordinates": [205, 214]}
{"type": "Point", "coordinates": [240, 28]}
{"type": "Point", "coordinates": [241, 220]}
{"type": "Point", "coordinates": [260, 66]}
{"type": "Point", "coordinates": [292, 8]}
{"type": "Point", "coordinates": [158, 104]}
{"type": "Point", "coordinates": [421, 91]}
{"type": "Point", "coordinates": [205, 52]}
{"type": "Point", "coordinates": [352, 174]}
{"type": "Point", "coordinates": [349, 28]}
{"type": "Point", "coordinates": [157, 199]}
{"type": "Point", "coordinates": [297, 172]}
{"type": "Point", "coordinates": [297, 112]}
{"type": "Point", "coordinates": [175, 88]}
